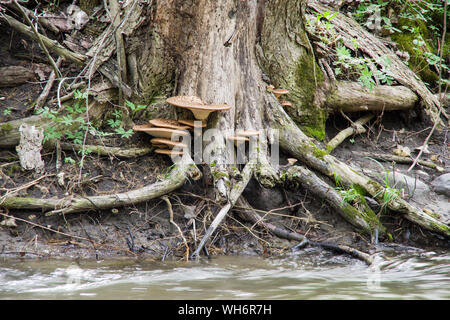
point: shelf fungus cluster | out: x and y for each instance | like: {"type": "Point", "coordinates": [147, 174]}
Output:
{"type": "Point", "coordinates": [278, 93]}
{"type": "Point", "coordinates": [200, 110]}
{"type": "Point", "coordinates": [167, 132]}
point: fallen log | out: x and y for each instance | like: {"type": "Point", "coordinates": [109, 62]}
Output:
{"type": "Point", "coordinates": [353, 97]}
{"type": "Point", "coordinates": [15, 75]}
{"type": "Point", "coordinates": [183, 169]}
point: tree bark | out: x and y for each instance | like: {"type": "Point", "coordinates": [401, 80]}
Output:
{"type": "Point", "coordinates": [14, 75]}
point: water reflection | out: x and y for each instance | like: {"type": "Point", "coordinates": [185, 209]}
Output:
{"type": "Point", "coordinates": [312, 274]}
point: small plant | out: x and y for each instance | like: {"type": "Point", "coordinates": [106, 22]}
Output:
{"type": "Point", "coordinates": [134, 108]}
{"type": "Point", "coordinates": [7, 111]}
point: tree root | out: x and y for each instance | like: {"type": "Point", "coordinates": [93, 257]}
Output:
{"type": "Point", "coordinates": [181, 171]}
{"type": "Point", "coordinates": [364, 219]}
{"type": "Point", "coordinates": [399, 159]}
{"type": "Point", "coordinates": [235, 193]}
{"type": "Point", "coordinates": [295, 142]}
{"type": "Point", "coordinates": [251, 215]}
{"type": "Point", "coordinates": [109, 151]}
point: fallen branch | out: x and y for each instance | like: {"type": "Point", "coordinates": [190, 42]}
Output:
{"type": "Point", "coordinates": [235, 193]}
{"type": "Point", "coordinates": [398, 159]}
{"type": "Point", "coordinates": [181, 171]}
{"type": "Point", "coordinates": [356, 128]}
{"type": "Point", "coordinates": [48, 43]}
{"type": "Point", "coordinates": [51, 79]}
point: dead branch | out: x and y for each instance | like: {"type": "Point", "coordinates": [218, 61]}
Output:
{"type": "Point", "coordinates": [51, 79]}
{"type": "Point", "coordinates": [235, 193]}
{"type": "Point", "coordinates": [398, 159]}
{"type": "Point", "coordinates": [356, 128]}
{"type": "Point", "coordinates": [48, 43]}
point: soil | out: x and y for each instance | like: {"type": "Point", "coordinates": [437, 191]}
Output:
{"type": "Point", "coordinates": [144, 230]}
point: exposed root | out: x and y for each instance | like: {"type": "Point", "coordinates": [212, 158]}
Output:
{"type": "Point", "coordinates": [294, 141]}
{"type": "Point", "coordinates": [235, 193]}
{"type": "Point", "coordinates": [169, 206]}
{"type": "Point", "coordinates": [364, 219]}
{"type": "Point", "coordinates": [255, 218]}
{"type": "Point", "coordinates": [181, 171]}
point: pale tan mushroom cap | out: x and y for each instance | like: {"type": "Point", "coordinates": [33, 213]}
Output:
{"type": "Point", "coordinates": [248, 133]}
{"type": "Point", "coordinates": [142, 127]}
{"type": "Point", "coordinates": [279, 92]}
{"type": "Point", "coordinates": [291, 161]}
{"type": "Point", "coordinates": [237, 139]}
{"type": "Point", "coordinates": [167, 142]}
{"type": "Point", "coordinates": [184, 101]}
{"type": "Point", "coordinates": [286, 104]}
{"type": "Point", "coordinates": [192, 124]}
{"type": "Point", "coordinates": [159, 132]}
{"type": "Point", "coordinates": [201, 111]}
{"type": "Point", "coordinates": [167, 123]}
{"type": "Point", "coordinates": [169, 152]}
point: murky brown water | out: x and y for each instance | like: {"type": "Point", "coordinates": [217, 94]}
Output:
{"type": "Point", "coordinates": [312, 274]}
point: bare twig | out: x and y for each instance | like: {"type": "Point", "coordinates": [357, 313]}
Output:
{"type": "Point", "coordinates": [43, 47]}
{"type": "Point", "coordinates": [169, 206]}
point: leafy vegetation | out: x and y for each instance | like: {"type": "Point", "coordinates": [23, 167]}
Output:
{"type": "Point", "coordinates": [71, 124]}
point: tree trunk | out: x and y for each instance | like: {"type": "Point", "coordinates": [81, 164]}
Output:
{"type": "Point", "coordinates": [228, 52]}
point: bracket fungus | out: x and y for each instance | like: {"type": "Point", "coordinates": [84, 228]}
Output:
{"type": "Point", "coordinates": [169, 152]}
{"type": "Point", "coordinates": [291, 161]}
{"type": "Point", "coordinates": [248, 133]}
{"type": "Point", "coordinates": [279, 92]}
{"type": "Point", "coordinates": [238, 140]}
{"type": "Point", "coordinates": [159, 132]}
{"type": "Point", "coordinates": [168, 143]}
{"type": "Point", "coordinates": [200, 110]}
{"type": "Point", "coordinates": [168, 123]}
{"type": "Point", "coordinates": [286, 104]}
{"type": "Point", "coordinates": [193, 123]}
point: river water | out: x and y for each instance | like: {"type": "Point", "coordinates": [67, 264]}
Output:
{"type": "Point", "coordinates": [310, 274]}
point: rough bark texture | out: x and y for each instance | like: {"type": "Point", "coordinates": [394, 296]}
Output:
{"type": "Point", "coordinates": [14, 75]}
{"type": "Point", "coordinates": [29, 149]}
{"type": "Point", "coordinates": [353, 97]}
